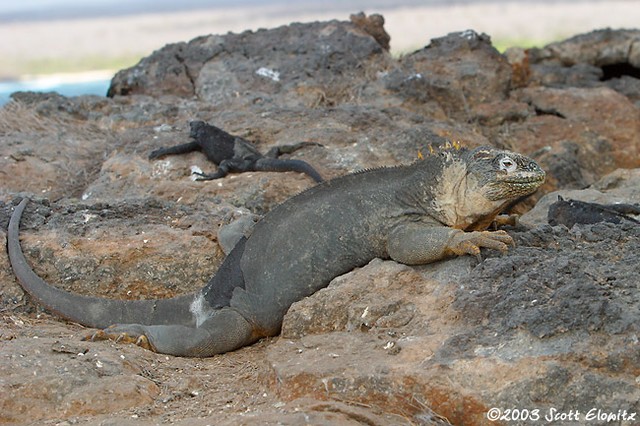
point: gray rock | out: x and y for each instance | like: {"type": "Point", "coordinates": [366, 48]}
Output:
{"type": "Point", "coordinates": [600, 58]}
{"type": "Point", "coordinates": [63, 378]}
{"type": "Point", "coordinates": [479, 74]}
{"type": "Point", "coordinates": [620, 186]}
{"type": "Point", "coordinates": [303, 60]}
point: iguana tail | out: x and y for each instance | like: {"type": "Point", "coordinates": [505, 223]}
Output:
{"type": "Point", "coordinates": [92, 311]}
{"type": "Point", "coordinates": [278, 165]}
{"type": "Point", "coordinates": [175, 150]}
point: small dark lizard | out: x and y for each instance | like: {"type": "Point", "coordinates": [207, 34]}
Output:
{"type": "Point", "coordinates": [569, 212]}
{"type": "Point", "coordinates": [235, 154]}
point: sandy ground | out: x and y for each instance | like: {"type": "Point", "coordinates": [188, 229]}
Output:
{"type": "Point", "coordinates": [507, 22]}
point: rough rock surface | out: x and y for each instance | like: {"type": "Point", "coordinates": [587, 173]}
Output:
{"type": "Point", "coordinates": [553, 324]}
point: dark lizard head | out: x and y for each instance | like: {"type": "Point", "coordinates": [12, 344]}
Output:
{"type": "Point", "coordinates": [503, 175]}
{"type": "Point", "coordinates": [197, 129]}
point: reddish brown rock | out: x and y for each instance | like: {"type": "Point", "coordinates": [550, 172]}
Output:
{"type": "Point", "coordinates": [53, 379]}
{"type": "Point", "coordinates": [513, 331]}
{"type": "Point", "coordinates": [457, 72]}
{"type": "Point", "coordinates": [374, 26]}
{"type": "Point", "coordinates": [578, 135]}
{"type": "Point", "coordinates": [602, 58]}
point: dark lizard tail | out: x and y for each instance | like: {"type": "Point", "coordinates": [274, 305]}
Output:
{"type": "Point", "coordinates": [87, 310]}
{"type": "Point", "coordinates": [278, 165]}
{"type": "Point", "coordinates": [174, 150]}
{"type": "Point", "coordinates": [277, 151]}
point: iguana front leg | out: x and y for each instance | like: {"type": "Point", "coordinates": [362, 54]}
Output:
{"type": "Point", "coordinates": [419, 243]}
{"type": "Point", "coordinates": [224, 331]}
{"type": "Point", "coordinates": [226, 166]}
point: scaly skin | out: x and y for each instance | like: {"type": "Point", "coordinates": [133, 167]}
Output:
{"type": "Point", "coordinates": [235, 154]}
{"type": "Point", "coordinates": [435, 208]}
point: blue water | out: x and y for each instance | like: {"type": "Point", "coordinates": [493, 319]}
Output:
{"type": "Point", "coordinates": [42, 10]}
{"type": "Point", "coordinates": [38, 10]}
{"type": "Point", "coordinates": [94, 87]}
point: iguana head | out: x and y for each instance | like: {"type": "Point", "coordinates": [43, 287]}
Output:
{"type": "Point", "coordinates": [474, 186]}
{"type": "Point", "coordinates": [503, 175]}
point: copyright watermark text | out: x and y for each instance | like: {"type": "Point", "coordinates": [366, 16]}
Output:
{"type": "Point", "coordinates": [554, 415]}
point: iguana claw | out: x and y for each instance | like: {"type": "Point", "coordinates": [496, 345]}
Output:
{"type": "Point", "coordinates": [471, 242]}
{"type": "Point", "coordinates": [143, 342]}
{"type": "Point", "coordinates": [95, 336]}
{"type": "Point", "coordinates": [112, 333]}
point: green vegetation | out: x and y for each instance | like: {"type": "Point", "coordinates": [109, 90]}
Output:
{"type": "Point", "coordinates": [501, 44]}
{"type": "Point", "coordinates": [20, 67]}
{"type": "Point", "coordinates": [13, 68]}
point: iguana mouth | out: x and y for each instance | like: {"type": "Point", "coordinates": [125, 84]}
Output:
{"type": "Point", "coordinates": [515, 186]}
{"type": "Point", "coordinates": [525, 180]}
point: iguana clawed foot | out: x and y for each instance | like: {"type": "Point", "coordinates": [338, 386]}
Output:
{"type": "Point", "coordinates": [206, 176]}
{"type": "Point", "coordinates": [123, 334]}
{"type": "Point", "coordinates": [471, 242]}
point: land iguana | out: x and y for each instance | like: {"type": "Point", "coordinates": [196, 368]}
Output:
{"type": "Point", "coordinates": [434, 208]}
{"type": "Point", "coordinates": [235, 154]}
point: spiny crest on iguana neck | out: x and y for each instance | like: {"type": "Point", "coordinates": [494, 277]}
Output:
{"type": "Point", "coordinates": [493, 174]}
{"type": "Point", "coordinates": [447, 146]}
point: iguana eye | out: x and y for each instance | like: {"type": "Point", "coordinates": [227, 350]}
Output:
{"type": "Point", "coordinates": [508, 165]}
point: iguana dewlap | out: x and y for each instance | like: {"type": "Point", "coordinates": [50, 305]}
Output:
{"type": "Point", "coordinates": [415, 214]}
